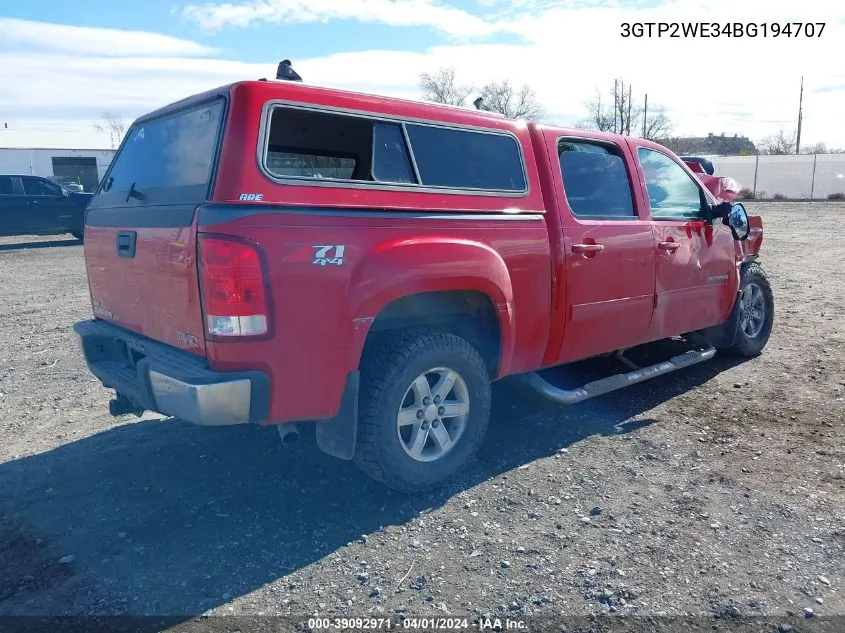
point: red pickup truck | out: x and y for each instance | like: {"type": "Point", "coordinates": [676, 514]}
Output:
{"type": "Point", "coordinates": [274, 253]}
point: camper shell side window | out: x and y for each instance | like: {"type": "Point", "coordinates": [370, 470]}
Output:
{"type": "Point", "coordinates": [356, 149]}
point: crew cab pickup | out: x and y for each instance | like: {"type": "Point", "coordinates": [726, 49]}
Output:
{"type": "Point", "coordinates": [276, 253]}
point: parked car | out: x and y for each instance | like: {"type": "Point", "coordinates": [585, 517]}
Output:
{"type": "Point", "coordinates": [274, 253]}
{"type": "Point", "coordinates": [31, 205]}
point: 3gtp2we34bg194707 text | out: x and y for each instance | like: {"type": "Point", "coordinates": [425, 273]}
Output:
{"type": "Point", "coordinates": [723, 29]}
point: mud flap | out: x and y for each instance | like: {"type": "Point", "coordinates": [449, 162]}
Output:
{"type": "Point", "coordinates": [723, 335]}
{"type": "Point", "coordinates": [336, 436]}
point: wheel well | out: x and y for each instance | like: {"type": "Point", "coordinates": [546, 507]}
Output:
{"type": "Point", "coordinates": [466, 313]}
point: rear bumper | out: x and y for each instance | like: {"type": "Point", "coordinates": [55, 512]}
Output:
{"type": "Point", "coordinates": [157, 377]}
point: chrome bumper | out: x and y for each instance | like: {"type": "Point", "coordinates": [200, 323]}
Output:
{"type": "Point", "coordinates": [157, 377]}
{"type": "Point", "coordinates": [215, 404]}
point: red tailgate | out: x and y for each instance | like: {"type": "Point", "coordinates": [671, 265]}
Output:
{"type": "Point", "coordinates": [155, 292]}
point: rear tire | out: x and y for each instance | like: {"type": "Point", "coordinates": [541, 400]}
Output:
{"type": "Point", "coordinates": [424, 407]}
{"type": "Point", "coordinates": [756, 312]}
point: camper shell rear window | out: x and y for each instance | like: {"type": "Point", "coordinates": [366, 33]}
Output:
{"type": "Point", "coordinates": [165, 160]}
{"type": "Point", "coordinates": [338, 148]}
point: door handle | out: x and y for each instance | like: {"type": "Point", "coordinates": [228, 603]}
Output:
{"type": "Point", "coordinates": [126, 243]}
{"type": "Point", "coordinates": [669, 246]}
{"type": "Point", "coordinates": [587, 248]}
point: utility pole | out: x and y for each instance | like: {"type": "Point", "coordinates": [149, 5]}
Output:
{"type": "Point", "coordinates": [645, 114]}
{"type": "Point", "coordinates": [620, 105]}
{"type": "Point", "coordinates": [615, 102]}
{"type": "Point", "coordinates": [800, 116]}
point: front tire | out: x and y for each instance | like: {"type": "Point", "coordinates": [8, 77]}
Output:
{"type": "Point", "coordinates": [424, 407]}
{"type": "Point", "coordinates": [756, 312]}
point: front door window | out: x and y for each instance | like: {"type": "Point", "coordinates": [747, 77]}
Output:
{"type": "Point", "coordinates": [672, 193]}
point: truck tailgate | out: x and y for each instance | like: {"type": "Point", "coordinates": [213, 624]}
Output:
{"type": "Point", "coordinates": [145, 279]}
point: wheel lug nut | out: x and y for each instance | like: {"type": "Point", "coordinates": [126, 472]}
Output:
{"type": "Point", "coordinates": [434, 423]}
{"type": "Point", "coordinates": [436, 399]}
{"type": "Point", "coordinates": [425, 425]}
{"type": "Point", "coordinates": [441, 410]}
{"type": "Point", "coordinates": [420, 414]}
{"type": "Point", "coordinates": [426, 401]}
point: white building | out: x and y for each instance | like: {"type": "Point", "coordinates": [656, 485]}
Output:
{"type": "Point", "coordinates": [54, 150]}
{"type": "Point", "coordinates": [82, 166]}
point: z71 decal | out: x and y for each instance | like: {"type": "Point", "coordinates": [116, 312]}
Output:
{"type": "Point", "coordinates": [332, 254]}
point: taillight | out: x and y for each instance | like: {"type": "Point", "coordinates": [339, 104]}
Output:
{"type": "Point", "coordinates": [235, 292]}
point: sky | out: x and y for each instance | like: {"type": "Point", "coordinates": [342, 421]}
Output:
{"type": "Point", "coordinates": [66, 63]}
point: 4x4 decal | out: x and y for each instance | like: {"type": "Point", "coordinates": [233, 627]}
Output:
{"type": "Point", "coordinates": [331, 254]}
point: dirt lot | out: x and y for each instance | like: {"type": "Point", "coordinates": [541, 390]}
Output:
{"type": "Point", "coordinates": [718, 490]}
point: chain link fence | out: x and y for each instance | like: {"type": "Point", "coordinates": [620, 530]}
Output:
{"type": "Point", "coordinates": [801, 177]}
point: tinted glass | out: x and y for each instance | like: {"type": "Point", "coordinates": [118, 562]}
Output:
{"type": "Point", "coordinates": [465, 159]}
{"type": "Point", "coordinates": [6, 188]}
{"type": "Point", "coordinates": [391, 162]}
{"type": "Point", "coordinates": [172, 152]}
{"type": "Point", "coordinates": [595, 180]}
{"type": "Point", "coordinates": [671, 191]}
{"type": "Point", "coordinates": [282, 162]}
{"type": "Point", "coordinates": [38, 187]}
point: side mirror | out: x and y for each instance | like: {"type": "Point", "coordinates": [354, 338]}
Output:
{"type": "Point", "coordinates": [738, 221]}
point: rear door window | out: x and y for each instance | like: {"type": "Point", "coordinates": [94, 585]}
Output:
{"type": "Point", "coordinates": [39, 187]}
{"type": "Point", "coordinates": [595, 180]}
{"type": "Point", "coordinates": [165, 160]}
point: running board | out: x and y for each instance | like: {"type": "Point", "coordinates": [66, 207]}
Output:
{"type": "Point", "coordinates": [618, 381]}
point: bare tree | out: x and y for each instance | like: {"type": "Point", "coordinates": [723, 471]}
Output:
{"type": "Point", "coordinates": [601, 116]}
{"type": "Point", "coordinates": [818, 148]}
{"type": "Point", "coordinates": [658, 125]}
{"type": "Point", "coordinates": [443, 87]}
{"type": "Point", "coordinates": [112, 124]}
{"type": "Point", "coordinates": [514, 103]}
{"type": "Point", "coordinates": [822, 148]}
{"type": "Point", "coordinates": [622, 107]}
{"type": "Point", "coordinates": [617, 113]}
{"type": "Point", "coordinates": [779, 144]}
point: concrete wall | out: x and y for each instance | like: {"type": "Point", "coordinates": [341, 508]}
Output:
{"type": "Point", "coordinates": [810, 176]}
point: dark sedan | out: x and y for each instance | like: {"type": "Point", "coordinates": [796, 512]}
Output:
{"type": "Point", "coordinates": [31, 205]}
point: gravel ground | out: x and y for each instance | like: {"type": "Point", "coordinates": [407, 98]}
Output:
{"type": "Point", "coordinates": [719, 490]}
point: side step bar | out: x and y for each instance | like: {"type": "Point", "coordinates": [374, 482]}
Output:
{"type": "Point", "coordinates": [618, 381]}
